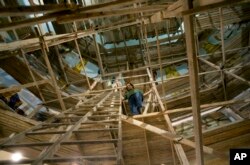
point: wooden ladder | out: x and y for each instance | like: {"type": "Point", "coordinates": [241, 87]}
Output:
{"type": "Point", "coordinates": [89, 133]}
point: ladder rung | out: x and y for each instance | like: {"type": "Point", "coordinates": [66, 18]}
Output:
{"type": "Point", "coordinates": [80, 158]}
{"type": "Point", "coordinates": [76, 113]}
{"type": "Point", "coordinates": [79, 109]}
{"type": "Point", "coordinates": [107, 111]}
{"type": "Point", "coordinates": [89, 141]}
{"type": "Point", "coordinates": [78, 131]}
{"type": "Point", "coordinates": [105, 105]}
{"type": "Point", "coordinates": [62, 159]}
{"type": "Point", "coordinates": [62, 143]}
{"type": "Point", "coordinates": [102, 121]}
{"type": "Point", "coordinates": [69, 117]}
{"type": "Point", "coordinates": [101, 116]}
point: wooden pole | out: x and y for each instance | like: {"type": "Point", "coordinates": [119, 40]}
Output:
{"type": "Point", "coordinates": [223, 76]}
{"type": "Point", "coordinates": [98, 55]}
{"type": "Point", "coordinates": [194, 82]}
{"type": "Point", "coordinates": [32, 75]}
{"type": "Point", "coordinates": [179, 150]}
{"type": "Point", "coordinates": [80, 54]}
{"type": "Point", "coordinates": [61, 63]}
{"type": "Point", "coordinates": [44, 49]}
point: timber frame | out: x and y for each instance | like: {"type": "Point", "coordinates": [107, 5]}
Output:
{"type": "Point", "coordinates": [92, 126]}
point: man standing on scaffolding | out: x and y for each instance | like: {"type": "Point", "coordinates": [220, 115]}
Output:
{"type": "Point", "coordinates": [135, 99]}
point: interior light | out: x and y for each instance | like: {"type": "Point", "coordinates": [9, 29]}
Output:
{"type": "Point", "coordinates": [16, 156]}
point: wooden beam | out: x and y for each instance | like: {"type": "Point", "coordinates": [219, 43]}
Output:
{"type": "Point", "coordinates": [44, 49]}
{"type": "Point", "coordinates": [109, 5]}
{"type": "Point", "coordinates": [28, 22]}
{"type": "Point", "coordinates": [19, 87]}
{"type": "Point", "coordinates": [194, 82]}
{"type": "Point", "coordinates": [126, 48]}
{"type": "Point", "coordinates": [223, 76]}
{"type": "Point", "coordinates": [227, 72]}
{"type": "Point", "coordinates": [52, 8]}
{"type": "Point", "coordinates": [159, 57]}
{"type": "Point", "coordinates": [169, 135]}
{"type": "Point", "coordinates": [64, 159]}
{"type": "Point", "coordinates": [32, 75]}
{"type": "Point", "coordinates": [173, 10]}
{"type": "Point", "coordinates": [93, 15]}
{"type": "Point", "coordinates": [9, 19]}
{"type": "Point", "coordinates": [60, 60]}
{"type": "Point", "coordinates": [36, 9]}
{"type": "Point", "coordinates": [119, 145]}
{"type": "Point", "coordinates": [213, 6]}
{"type": "Point", "coordinates": [53, 16]}
{"type": "Point", "coordinates": [33, 44]}
{"type": "Point", "coordinates": [100, 64]}
{"type": "Point", "coordinates": [179, 150]}
{"type": "Point", "coordinates": [50, 40]}
{"type": "Point", "coordinates": [80, 54]}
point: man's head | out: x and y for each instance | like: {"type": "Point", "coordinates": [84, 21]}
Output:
{"type": "Point", "coordinates": [129, 86]}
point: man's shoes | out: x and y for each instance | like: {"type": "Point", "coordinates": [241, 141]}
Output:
{"type": "Point", "coordinates": [140, 110]}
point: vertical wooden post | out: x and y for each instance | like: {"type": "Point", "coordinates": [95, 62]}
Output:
{"type": "Point", "coordinates": [194, 82]}
{"type": "Point", "coordinates": [32, 75]}
{"type": "Point", "coordinates": [126, 49]}
{"type": "Point", "coordinates": [44, 49]}
{"type": "Point", "coordinates": [9, 20]}
{"type": "Point", "coordinates": [159, 58]}
{"type": "Point", "coordinates": [114, 43]}
{"type": "Point", "coordinates": [179, 150]}
{"type": "Point", "coordinates": [119, 145]}
{"type": "Point", "coordinates": [146, 42]}
{"type": "Point", "coordinates": [80, 54]}
{"type": "Point", "coordinates": [61, 63]}
{"type": "Point", "coordinates": [98, 55]}
{"type": "Point", "coordinates": [223, 75]}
